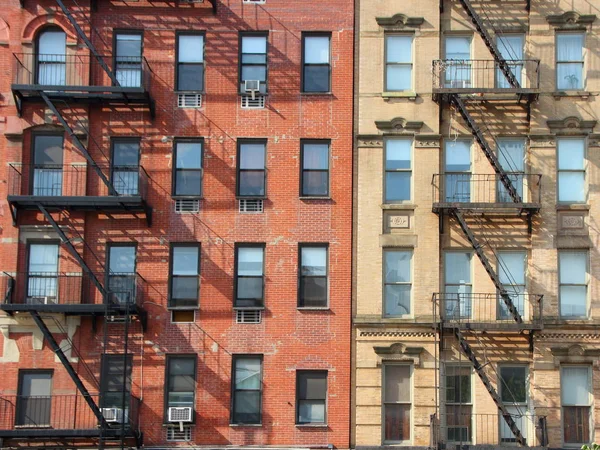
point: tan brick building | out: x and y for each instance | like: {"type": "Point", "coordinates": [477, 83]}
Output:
{"type": "Point", "coordinates": [476, 184]}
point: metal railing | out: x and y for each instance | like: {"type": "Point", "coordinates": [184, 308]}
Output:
{"type": "Point", "coordinates": [478, 75]}
{"type": "Point", "coordinates": [489, 309]}
{"type": "Point", "coordinates": [75, 180]}
{"type": "Point", "coordinates": [54, 288]}
{"type": "Point", "coordinates": [485, 188]}
{"type": "Point", "coordinates": [464, 428]}
{"type": "Point", "coordinates": [60, 412]}
{"type": "Point", "coordinates": [65, 72]}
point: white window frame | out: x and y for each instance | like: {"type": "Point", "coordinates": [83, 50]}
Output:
{"type": "Point", "coordinates": [448, 174]}
{"type": "Point", "coordinates": [525, 312]}
{"type": "Point", "coordinates": [471, 403]}
{"type": "Point", "coordinates": [584, 170]}
{"type": "Point", "coordinates": [582, 62]}
{"type": "Point", "coordinates": [410, 402]}
{"type": "Point", "coordinates": [530, 429]}
{"type": "Point", "coordinates": [471, 283]}
{"type": "Point", "coordinates": [410, 170]}
{"type": "Point", "coordinates": [403, 283]}
{"type": "Point", "coordinates": [586, 253]}
{"type": "Point", "coordinates": [590, 404]}
{"type": "Point", "coordinates": [411, 64]}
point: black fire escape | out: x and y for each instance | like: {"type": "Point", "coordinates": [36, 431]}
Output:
{"type": "Point", "coordinates": [466, 86]}
{"type": "Point", "coordinates": [88, 188]}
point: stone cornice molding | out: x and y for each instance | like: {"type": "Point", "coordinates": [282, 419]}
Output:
{"type": "Point", "coordinates": [398, 124]}
{"type": "Point", "coordinates": [571, 125]}
{"type": "Point", "coordinates": [570, 19]}
{"type": "Point", "coordinates": [400, 21]}
{"type": "Point", "coordinates": [399, 352]}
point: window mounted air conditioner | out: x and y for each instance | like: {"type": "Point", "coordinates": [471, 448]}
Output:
{"type": "Point", "coordinates": [460, 84]}
{"type": "Point", "coordinates": [252, 87]}
{"type": "Point", "coordinates": [41, 300]}
{"type": "Point", "coordinates": [180, 414]}
{"type": "Point", "coordinates": [113, 415]}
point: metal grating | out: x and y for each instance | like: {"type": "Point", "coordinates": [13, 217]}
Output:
{"type": "Point", "coordinates": [177, 434]}
{"type": "Point", "coordinates": [187, 206]}
{"type": "Point", "coordinates": [189, 100]}
{"type": "Point", "coordinates": [247, 102]}
{"type": "Point", "coordinates": [251, 206]}
{"type": "Point", "coordinates": [248, 316]}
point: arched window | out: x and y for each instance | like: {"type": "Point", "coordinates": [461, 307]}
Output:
{"type": "Point", "coordinates": [51, 57]}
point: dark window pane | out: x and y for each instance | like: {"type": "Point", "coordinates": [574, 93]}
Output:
{"type": "Point", "coordinates": [316, 78]}
{"type": "Point", "coordinates": [458, 421]}
{"type": "Point", "coordinates": [313, 291]}
{"type": "Point", "coordinates": [576, 424]}
{"type": "Point", "coordinates": [397, 186]}
{"type": "Point", "coordinates": [312, 385]}
{"type": "Point", "coordinates": [185, 288]}
{"type": "Point", "coordinates": [458, 388]}
{"type": "Point", "coordinates": [315, 183]}
{"type": "Point", "coordinates": [246, 407]}
{"type": "Point", "coordinates": [397, 422]}
{"type": "Point", "coordinates": [182, 316]}
{"type": "Point", "coordinates": [311, 411]}
{"type": "Point", "coordinates": [181, 374]}
{"type": "Point", "coordinates": [48, 150]}
{"type": "Point", "coordinates": [252, 183]}
{"type": "Point", "coordinates": [126, 153]}
{"type": "Point", "coordinates": [250, 288]}
{"type": "Point", "coordinates": [129, 45]}
{"type": "Point", "coordinates": [190, 77]}
{"type": "Point", "coordinates": [188, 182]}
{"type": "Point", "coordinates": [254, 73]}
{"type": "Point", "coordinates": [514, 387]}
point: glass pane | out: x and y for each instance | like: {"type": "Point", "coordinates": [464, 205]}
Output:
{"type": "Point", "coordinates": [313, 291]}
{"type": "Point", "coordinates": [316, 50]}
{"type": "Point", "coordinates": [397, 383]}
{"type": "Point", "coordinates": [43, 258]}
{"type": "Point", "coordinates": [459, 423]}
{"type": "Point", "coordinates": [188, 182]}
{"type": "Point", "coordinates": [458, 187]}
{"type": "Point", "coordinates": [458, 47]}
{"type": "Point", "coordinates": [571, 186]}
{"type": "Point", "coordinates": [36, 384]}
{"type": "Point", "coordinates": [250, 261]}
{"type": "Point", "coordinates": [185, 288]}
{"type": "Point", "coordinates": [458, 384]}
{"type": "Point", "coordinates": [398, 77]}
{"type": "Point", "coordinates": [185, 260]}
{"type": "Point", "coordinates": [457, 268]}
{"type": "Point", "coordinates": [314, 261]}
{"type": "Point", "coordinates": [315, 156]}
{"type": "Point", "coordinates": [458, 156]}
{"type": "Point", "coordinates": [397, 186]}
{"type": "Point", "coordinates": [511, 154]}
{"type": "Point", "coordinates": [125, 182]}
{"type": "Point", "coordinates": [189, 155]}
{"type": "Point", "coordinates": [129, 46]}
{"type": "Point", "coordinates": [517, 182]}
{"type": "Point", "coordinates": [190, 77]}
{"type": "Point", "coordinates": [252, 156]}
{"type": "Point", "coordinates": [311, 411]}
{"type": "Point", "coordinates": [569, 47]}
{"type": "Point", "coordinates": [399, 49]}
{"type": "Point", "coordinates": [126, 153]}
{"type": "Point", "coordinates": [573, 301]}
{"type": "Point", "coordinates": [575, 386]}
{"type": "Point", "coordinates": [513, 384]}
{"type": "Point", "coordinates": [122, 259]}
{"type": "Point", "coordinates": [398, 154]}
{"type": "Point", "coordinates": [47, 182]}
{"type": "Point", "coordinates": [254, 59]}
{"type": "Point", "coordinates": [397, 300]}
{"type": "Point", "coordinates": [246, 407]}
{"type": "Point", "coordinates": [517, 296]}
{"type": "Point", "coordinates": [254, 73]}
{"type": "Point", "coordinates": [458, 302]}
{"type": "Point", "coordinates": [180, 399]}
{"type": "Point", "coordinates": [48, 150]}
{"type": "Point", "coordinates": [576, 424]}
{"type": "Point", "coordinates": [511, 268]}
{"type": "Point", "coordinates": [312, 385]}
{"type": "Point", "coordinates": [52, 74]}
{"type": "Point", "coordinates": [252, 183]}
{"type": "Point", "coordinates": [397, 266]}
{"type": "Point", "coordinates": [248, 373]}
{"type": "Point", "coordinates": [571, 154]}
{"type": "Point", "coordinates": [572, 267]}
{"type": "Point", "coordinates": [129, 75]}
{"type": "Point", "coordinates": [569, 75]}
{"type": "Point", "coordinates": [250, 291]}
{"type": "Point", "coordinates": [511, 46]}
{"type": "Point", "coordinates": [315, 183]}
{"type": "Point", "coordinates": [191, 49]}
{"type": "Point", "coordinates": [52, 46]}
{"type": "Point", "coordinates": [254, 44]}
{"type": "Point", "coordinates": [521, 419]}
{"type": "Point", "coordinates": [397, 422]}
{"type": "Point", "coordinates": [316, 79]}
{"type": "Point", "coordinates": [181, 374]}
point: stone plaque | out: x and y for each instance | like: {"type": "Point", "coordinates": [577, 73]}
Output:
{"type": "Point", "coordinates": [399, 222]}
{"type": "Point", "coordinates": [572, 222]}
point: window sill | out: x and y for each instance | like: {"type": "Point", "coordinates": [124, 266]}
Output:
{"type": "Point", "coordinates": [187, 197]}
{"type": "Point", "coordinates": [312, 425]}
{"type": "Point", "coordinates": [398, 206]}
{"type": "Point", "coordinates": [572, 207]}
{"type": "Point", "coordinates": [315, 197]}
{"type": "Point", "coordinates": [410, 95]}
{"type": "Point", "coordinates": [257, 197]}
{"type": "Point", "coordinates": [248, 308]}
{"type": "Point", "coordinates": [317, 93]}
{"type": "Point", "coordinates": [183, 308]}
{"type": "Point", "coordinates": [313, 308]}
{"type": "Point", "coordinates": [176, 424]}
{"type": "Point", "coordinates": [573, 93]}
{"type": "Point", "coordinates": [189, 92]}
{"type": "Point", "coordinates": [243, 425]}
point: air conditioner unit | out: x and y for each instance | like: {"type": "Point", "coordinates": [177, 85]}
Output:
{"type": "Point", "coordinates": [180, 414]}
{"type": "Point", "coordinates": [460, 84]}
{"type": "Point", "coordinates": [41, 300]}
{"type": "Point", "coordinates": [252, 86]}
{"type": "Point", "coordinates": [113, 415]}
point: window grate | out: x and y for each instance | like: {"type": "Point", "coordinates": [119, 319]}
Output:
{"type": "Point", "coordinates": [251, 206]}
{"type": "Point", "coordinates": [258, 102]}
{"type": "Point", "coordinates": [176, 434]}
{"type": "Point", "coordinates": [248, 316]}
{"type": "Point", "coordinates": [189, 100]}
{"type": "Point", "coordinates": [187, 206]}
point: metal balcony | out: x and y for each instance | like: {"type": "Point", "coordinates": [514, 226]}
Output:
{"type": "Point", "coordinates": [81, 79]}
{"type": "Point", "coordinates": [486, 192]}
{"type": "Point", "coordinates": [71, 293]}
{"type": "Point", "coordinates": [476, 311]}
{"type": "Point", "coordinates": [458, 427]}
{"type": "Point", "coordinates": [62, 416]}
{"type": "Point", "coordinates": [78, 188]}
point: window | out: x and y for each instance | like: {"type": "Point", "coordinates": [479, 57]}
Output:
{"type": "Point", "coordinates": [398, 282]}
{"type": "Point", "coordinates": [251, 173]}
{"type": "Point", "coordinates": [128, 58]}
{"type": "Point", "coordinates": [397, 403]}
{"type": "Point", "coordinates": [187, 179]}
{"type": "Point", "coordinates": [34, 401]}
{"type": "Point", "coordinates": [253, 61]}
{"type": "Point", "coordinates": [125, 166]}
{"type": "Point", "coordinates": [190, 62]}
{"type": "Point", "coordinates": [122, 273]}
{"type": "Point", "coordinates": [511, 155]}
{"type": "Point", "coordinates": [458, 286]}
{"type": "Point", "coordinates": [311, 397]}
{"type": "Point", "coordinates": [51, 57]}
{"type": "Point", "coordinates": [316, 71]}
{"type": "Point", "coordinates": [247, 390]}
{"type": "Point", "coordinates": [576, 400]}
{"type": "Point", "coordinates": [42, 274]}
{"type": "Point", "coordinates": [249, 274]}
{"type": "Point", "coordinates": [511, 48]}
{"type": "Point", "coordinates": [315, 169]}
{"type": "Point", "coordinates": [180, 383]}
{"type": "Point", "coordinates": [573, 278]}
{"type": "Point", "coordinates": [398, 62]}
{"type": "Point", "coordinates": [113, 382]}
{"type": "Point", "coordinates": [513, 392]}
{"type": "Point", "coordinates": [398, 173]}
{"type": "Point", "coordinates": [458, 171]}
{"type": "Point", "coordinates": [459, 404]}
{"type": "Point", "coordinates": [458, 62]}
{"type": "Point", "coordinates": [512, 267]}
{"type": "Point", "coordinates": [571, 170]}
{"type": "Point", "coordinates": [569, 60]}
{"type": "Point", "coordinates": [47, 165]}
{"type": "Point", "coordinates": [185, 273]}
{"type": "Point", "coordinates": [313, 276]}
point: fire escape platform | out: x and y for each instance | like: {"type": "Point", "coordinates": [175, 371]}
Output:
{"type": "Point", "coordinates": [83, 94]}
{"type": "Point", "coordinates": [499, 209]}
{"type": "Point", "coordinates": [96, 309]}
{"type": "Point", "coordinates": [27, 433]}
{"type": "Point", "coordinates": [108, 204]}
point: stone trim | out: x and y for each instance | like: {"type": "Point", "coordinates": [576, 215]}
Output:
{"type": "Point", "coordinates": [570, 19]}
{"type": "Point", "coordinates": [542, 140]}
{"type": "Point", "coordinates": [398, 124]}
{"type": "Point", "coordinates": [427, 140]}
{"type": "Point", "coordinates": [370, 141]}
{"type": "Point", "coordinates": [399, 352]}
{"type": "Point", "coordinates": [571, 125]}
{"type": "Point", "coordinates": [546, 336]}
{"type": "Point", "coordinates": [399, 21]}
{"type": "Point", "coordinates": [575, 354]}
{"type": "Point", "coordinates": [397, 334]}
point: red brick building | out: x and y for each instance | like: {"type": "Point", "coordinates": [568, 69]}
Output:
{"type": "Point", "coordinates": [176, 224]}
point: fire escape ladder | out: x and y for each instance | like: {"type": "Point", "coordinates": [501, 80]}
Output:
{"type": "Point", "coordinates": [457, 101]}
{"type": "Point", "coordinates": [468, 351]}
{"type": "Point", "coordinates": [67, 364]}
{"type": "Point", "coordinates": [487, 266]}
{"type": "Point", "coordinates": [79, 144]}
{"type": "Point", "coordinates": [489, 42]}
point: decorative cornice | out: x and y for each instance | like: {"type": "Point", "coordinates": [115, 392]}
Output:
{"type": "Point", "coordinates": [398, 124]}
{"type": "Point", "coordinates": [427, 140]}
{"type": "Point", "coordinates": [400, 21]}
{"type": "Point", "coordinates": [370, 140]}
{"type": "Point", "coordinates": [396, 334]}
{"type": "Point", "coordinates": [571, 125]}
{"type": "Point", "coordinates": [575, 350]}
{"type": "Point", "coordinates": [570, 19]}
{"type": "Point", "coordinates": [398, 349]}
{"type": "Point", "coordinates": [562, 336]}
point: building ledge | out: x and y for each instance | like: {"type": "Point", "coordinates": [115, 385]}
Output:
{"type": "Point", "coordinates": [572, 207]}
{"type": "Point", "coordinates": [410, 95]}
